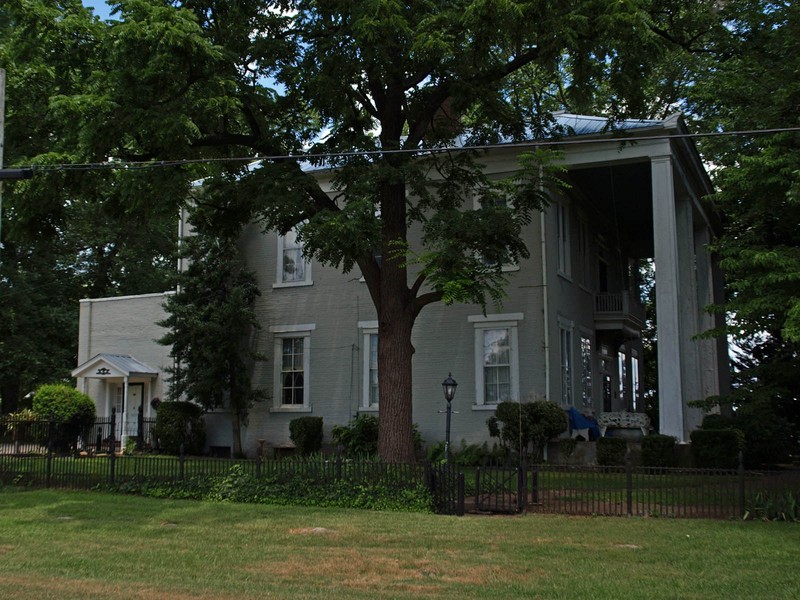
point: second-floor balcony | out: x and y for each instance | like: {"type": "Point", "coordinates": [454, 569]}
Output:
{"type": "Point", "coordinates": [619, 311]}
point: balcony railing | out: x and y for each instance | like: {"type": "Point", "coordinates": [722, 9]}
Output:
{"type": "Point", "coordinates": [618, 310]}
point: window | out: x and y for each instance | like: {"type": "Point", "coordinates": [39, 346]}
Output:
{"type": "Point", "coordinates": [496, 359]}
{"type": "Point", "coordinates": [584, 268]}
{"type": "Point", "coordinates": [565, 335]}
{"type": "Point", "coordinates": [635, 381]}
{"type": "Point", "coordinates": [622, 363]}
{"type": "Point", "coordinates": [586, 370]}
{"type": "Point", "coordinates": [478, 203]}
{"type": "Point", "coordinates": [292, 362]}
{"type": "Point", "coordinates": [562, 238]}
{"type": "Point", "coordinates": [369, 336]}
{"type": "Point", "coordinates": [293, 268]}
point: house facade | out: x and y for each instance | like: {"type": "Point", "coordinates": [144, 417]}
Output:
{"type": "Point", "coordinates": [569, 329]}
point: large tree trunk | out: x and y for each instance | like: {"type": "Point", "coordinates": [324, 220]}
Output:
{"type": "Point", "coordinates": [395, 443]}
{"type": "Point", "coordinates": [395, 308]}
{"type": "Point", "coordinates": [236, 425]}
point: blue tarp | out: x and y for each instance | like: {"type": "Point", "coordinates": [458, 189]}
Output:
{"type": "Point", "coordinates": [578, 421]}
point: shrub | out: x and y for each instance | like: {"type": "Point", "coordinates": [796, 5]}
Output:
{"type": "Point", "coordinates": [773, 506]}
{"type": "Point", "coordinates": [658, 450]}
{"type": "Point", "coordinates": [180, 423]}
{"type": "Point", "coordinates": [716, 448]}
{"type": "Point", "coordinates": [72, 412]}
{"type": "Point", "coordinates": [359, 438]}
{"type": "Point", "coordinates": [467, 455]}
{"type": "Point", "coordinates": [306, 433]}
{"type": "Point", "coordinates": [520, 424]}
{"type": "Point", "coordinates": [767, 436]}
{"type": "Point", "coordinates": [611, 451]}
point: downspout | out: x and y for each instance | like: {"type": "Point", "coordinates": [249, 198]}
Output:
{"type": "Point", "coordinates": [545, 306]}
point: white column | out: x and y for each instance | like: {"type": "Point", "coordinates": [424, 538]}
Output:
{"type": "Point", "coordinates": [668, 280]}
{"type": "Point", "coordinates": [124, 418]}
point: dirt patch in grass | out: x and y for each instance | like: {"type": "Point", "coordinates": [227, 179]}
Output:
{"type": "Point", "coordinates": [62, 588]}
{"type": "Point", "coordinates": [350, 569]}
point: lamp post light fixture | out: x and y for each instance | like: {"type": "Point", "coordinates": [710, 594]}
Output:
{"type": "Point", "coordinates": [449, 386]}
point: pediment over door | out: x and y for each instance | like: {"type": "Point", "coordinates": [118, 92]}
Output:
{"type": "Point", "coordinates": [107, 366]}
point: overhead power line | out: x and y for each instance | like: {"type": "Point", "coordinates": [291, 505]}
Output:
{"type": "Point", "coordinates": [26, 172]}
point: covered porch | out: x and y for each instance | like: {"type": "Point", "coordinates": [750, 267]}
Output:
{"type": "Point", "coordinates": [122, 383]}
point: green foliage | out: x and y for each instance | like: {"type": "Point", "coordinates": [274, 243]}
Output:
{"type": "Point", "coordinates": [359, 438]}
{"type": "Point", "coordinates": [767, 436]}
{"type": "Point", "coordinates": [520, 424]}
{"type": "Point", "coordinates": [611, 452]}
{"type": "Point", "coordinates": [211, 319]}
{"type": "Point", "coordinates": [296, 489]}
{"type": "Point", "coordinates": [180, 423]}
{"type": "Point", "coordinates": [658, 450]}
{"type": "Point", "coordinates": [467, 455]}
{"type": "Point", "coordinates": [773, 506]}
{"type": "Point", "coordinates": [757, 178]}
{"type": "Point", "coordinates": [716, 448]}
{"type": "Point", "coordinates": [73, 413]}
{"type": "Point", "coordinates": [306, 433]}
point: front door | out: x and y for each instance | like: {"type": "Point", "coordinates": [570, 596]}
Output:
{"type": "Point", "coordinates": [135, 394]}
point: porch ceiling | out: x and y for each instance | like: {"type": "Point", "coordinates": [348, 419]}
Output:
{"type": "Point", "coordinates": [621, 194]}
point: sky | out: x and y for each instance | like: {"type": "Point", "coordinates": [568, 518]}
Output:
{"type": "Point", "coordinates": [101, 9]}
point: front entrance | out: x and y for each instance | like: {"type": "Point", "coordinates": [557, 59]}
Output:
{"type": "Point", "coordinates": [135, 395]}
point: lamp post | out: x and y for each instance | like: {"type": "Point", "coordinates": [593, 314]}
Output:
{"type": "Point", "coordinates": [449, 386]}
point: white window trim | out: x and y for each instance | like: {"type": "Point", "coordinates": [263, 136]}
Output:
{"type": "Point", "coordinates": [563, 254]}
{"type": "Point", "coordinates": [584, 333]}
{"type": "Point", "coordinates": [279, 283]}
{"type": "Point", "coordinates": [366, 329]}
{"type": "Point", "coordinates": [281, 332]}
{"type": "Point", "coordinates": [500, 321]}
{"type": "Point", "coordinates": [565, 325]}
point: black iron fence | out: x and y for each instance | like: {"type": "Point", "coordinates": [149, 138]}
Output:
{"type": "Point", "coordinates": [28, 457]}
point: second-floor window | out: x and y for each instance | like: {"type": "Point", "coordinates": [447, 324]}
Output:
{"type": "Point", "coordinates": [293, 268]}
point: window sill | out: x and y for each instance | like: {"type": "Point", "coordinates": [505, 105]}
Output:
{"type": "Point", "coordinates": [290, 284]}
{"type": "Point", "coordinates": [290, 409]}
{"type": "Point", "coordinates": [368, 409]}
{"type": "Point", "coordinates": [565, 276]}
{"type": "Point", "coordinates": [480, 407]}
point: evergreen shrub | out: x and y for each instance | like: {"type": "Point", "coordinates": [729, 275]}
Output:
{"type": "Point", "coordinates": [658, 450]}
{"type": "Point", "coordinates": [306, 433]}
{"type": "Point", "coordinates": [180, 423]}
{"type": "Point", "coordinates": [72, 412]}
{"type": "Point", "coordinates": [611, 451]}
{"type": "Point", "coordinates": [359, 438]}
{"type": "Point", "coordinates": [716, 448]}
{"type": "Point", "coordinates": [520, 424]}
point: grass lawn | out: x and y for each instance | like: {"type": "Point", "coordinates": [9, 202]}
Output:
{"type": "Point", "coordinates": [60, 544]}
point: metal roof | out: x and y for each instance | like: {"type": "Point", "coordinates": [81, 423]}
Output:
{"type": "Point", "coordinates": [124, 363]}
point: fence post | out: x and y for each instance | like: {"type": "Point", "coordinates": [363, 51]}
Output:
{"type": "Point", "coordinates": [522, 480]}
{"type": "Point", "coordinates": [181, 461]}
{"type": "Point", "coordinates": [460, 506]}
{"type": "Point", "coordinates": [258, 464]}
{"type": "Point", "coordinates": [140, 426]}
{"type": "Point", "coordinates": [629, 483]}
{"type": "Point", "coordinates": [112, 447]}
{"type": "Point", "coordinates": [741, 483]}
{"type": "Point", "coordinates": [535, 485]}
{"type": "Point", "coordinates": [49, 469]}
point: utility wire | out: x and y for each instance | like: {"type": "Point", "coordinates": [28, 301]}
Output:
{"type": "Point", "coordinates": [322, 156]}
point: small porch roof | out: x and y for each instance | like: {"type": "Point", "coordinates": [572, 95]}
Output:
{"type": "Point", "coordinates": [105, 366]}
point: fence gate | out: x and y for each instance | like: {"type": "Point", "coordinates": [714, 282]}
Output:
{"type": "Point", "coordinates": [501, 488]}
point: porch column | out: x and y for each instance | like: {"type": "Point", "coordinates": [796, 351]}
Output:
{"type": "Point", "coordinates": [668, 282]}
{"type": "Point", "coordinates": [705, 296]}
{"type": "Point", "coordinates": [124, 418]}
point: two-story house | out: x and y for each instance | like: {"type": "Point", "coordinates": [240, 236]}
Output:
{"type": "Point", "coordinates": [569, 329]}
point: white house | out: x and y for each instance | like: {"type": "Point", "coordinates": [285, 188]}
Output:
{"type": "Point", "coordinates": [569, 330]}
